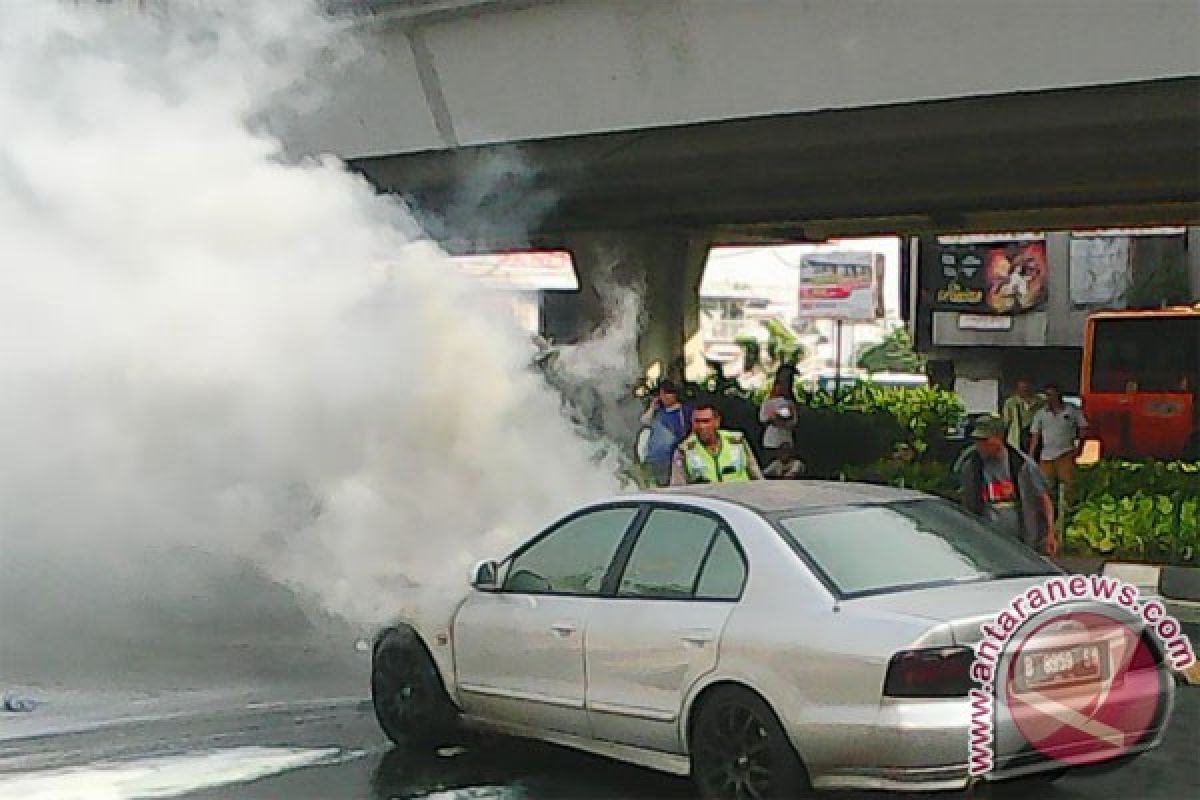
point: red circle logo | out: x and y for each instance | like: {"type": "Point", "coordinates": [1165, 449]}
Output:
{"type": "Point", "coordinates": [1083, 686]}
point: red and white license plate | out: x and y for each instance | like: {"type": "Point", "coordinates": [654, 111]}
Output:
{"type": "Point", "coordinates": [1065, 666]}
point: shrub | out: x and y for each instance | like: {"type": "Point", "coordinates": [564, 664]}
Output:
{"type": "Point", "coordinates": [1138, 510]}
{"type": "Point", "coordinates": [894, 354]}
{"type": "Point", "coordinates": [831, 440]}
{"type": "Point", "coordinates": [751, 351]}
{"type": "Point", "coordinates": [935, 477]}
{"type": "Point", "coordinates": [1121, 478]}
{"type": "Point", "coordinates": [1143, 526]}
{"type": "Point", "coordinates": [924, 413]}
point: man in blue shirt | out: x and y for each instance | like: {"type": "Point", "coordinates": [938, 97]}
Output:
{"type": "Point", "coordinates": [669, 422]}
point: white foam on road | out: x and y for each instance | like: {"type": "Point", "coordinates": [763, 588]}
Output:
{"type": "Point", "coordinates": [62, 711]}
{"type": "Point", "coordinates": [476, 793]}
{"type": "Point", "coordinates": [167, 776]}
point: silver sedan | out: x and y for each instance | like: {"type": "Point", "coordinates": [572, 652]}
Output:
{"type": "Point", "coordinates": [766, 638]}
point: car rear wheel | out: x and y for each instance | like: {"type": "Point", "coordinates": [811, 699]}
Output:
{"type": "Point", "coordinates": [740, 751]}
{"type": "Point", "coordinates": [410, 701]}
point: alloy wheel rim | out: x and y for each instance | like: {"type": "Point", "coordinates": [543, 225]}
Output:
{"type": "Point", "coordinates": [404, 689]}
{"type": "Point", "coordinates": [734, 752]}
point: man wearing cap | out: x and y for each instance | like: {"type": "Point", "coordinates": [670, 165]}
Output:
{"type": "Point", "coordinates": [668, 422]}
{"type": "Point", "coordinates": [1006, 488]}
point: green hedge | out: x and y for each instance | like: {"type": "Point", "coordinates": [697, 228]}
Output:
{"type": "Point", "coordinates": [1121, 478]}
{"type": "Point", "coordinates": [923, 412]}
{"type": "Point", "coordinates": [1125, 510]}
{"type": "Point", "coordinates": [830, 441]}
{"type": "Point", "coordinates": [1138, 510]}
{"type": "Point", "coordinates": [935, 477]}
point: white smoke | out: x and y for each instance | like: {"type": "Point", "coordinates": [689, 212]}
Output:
{"type": "Point", "coordinates": [219, 366]}
{"type": "Point", "coordinates": [597, 376]}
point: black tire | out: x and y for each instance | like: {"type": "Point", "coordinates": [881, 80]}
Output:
{"type": "Point", "coordinates": [739, 750]}
{"type": "Point", "coordinates": [1191, 450]}
{"type": "Point", "coordinates": [410, 701]}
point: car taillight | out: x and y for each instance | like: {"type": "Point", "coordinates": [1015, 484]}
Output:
{"type": "Point", "coordinates": [937, 672]}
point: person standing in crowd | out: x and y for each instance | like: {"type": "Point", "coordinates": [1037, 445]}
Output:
{"type": "Point", "coordinates": [669, 422]}
{"type": "Point", "coordinates": [779, 413]}
{"type": "Point", "coordinates": [1058, 430]}
{"type": "Point", "coordinates": [1018, 411]}
{"type": "Point", "coordinates": [1005, 487]}
{"type": "Point", "coordinates": [785, 466]}
{"type": "Point", "coordinates": [712, 455]}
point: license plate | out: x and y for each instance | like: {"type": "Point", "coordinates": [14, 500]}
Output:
{"type": "Point", "coordinates": [1066, 666]}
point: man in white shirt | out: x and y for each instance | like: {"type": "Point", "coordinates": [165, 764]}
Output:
{"type": "Point", "coordinates": [1059, 429]}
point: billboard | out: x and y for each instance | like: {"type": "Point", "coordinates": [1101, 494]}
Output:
{"type": "Point", "coordinates": [1100, 270]}
{"type": "Point", "coordinates": [847, 286]}
{"type": "Point", "coordinates": [991, 278]}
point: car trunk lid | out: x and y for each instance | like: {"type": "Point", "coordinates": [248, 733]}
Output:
{"type": "Point", "coordinates": [963, 607]}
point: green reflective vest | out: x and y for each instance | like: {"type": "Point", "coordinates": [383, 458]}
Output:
{"type": "Point", "coordinates": [729, 464]}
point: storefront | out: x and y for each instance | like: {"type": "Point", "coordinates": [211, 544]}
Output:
{"type": "Point", "coordinates": [990, 308]}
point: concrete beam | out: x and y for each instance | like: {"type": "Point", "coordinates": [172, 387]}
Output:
{"type": "Point", "coordinates": [551, 68]}
{"type": "Point", "coordinates": [1193, 261]}
{"type": "Point", "coordinates": [1111, 155]}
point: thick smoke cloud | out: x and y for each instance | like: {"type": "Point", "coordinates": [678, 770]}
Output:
{"type": "Point", "coordinates": [226, 373]}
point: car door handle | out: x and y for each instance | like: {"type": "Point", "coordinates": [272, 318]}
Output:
{"type": "Point", "coordinates": [698, 636]}
{"type": "Point", "coordinates": [564, 629]}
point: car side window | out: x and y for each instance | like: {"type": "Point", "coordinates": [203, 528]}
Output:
{"type": "Point", "coordinates": [669, 554]}
{"type": "Point", "coordinates": [573, 558]}
{"type": "Point", "coordinates": [724, 571]}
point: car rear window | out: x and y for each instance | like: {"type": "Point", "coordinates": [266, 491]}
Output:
{"type": "Point", "coordinates": [878, 548]}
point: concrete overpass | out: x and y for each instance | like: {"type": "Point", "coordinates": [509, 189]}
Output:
{"type": "Point", "coordinates": [636, 132]}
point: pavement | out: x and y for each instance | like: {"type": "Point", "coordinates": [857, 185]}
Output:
{"type": "Point", "coordinates": [221, 748]}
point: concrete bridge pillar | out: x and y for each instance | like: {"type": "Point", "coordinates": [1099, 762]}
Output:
{"type": "Point", "coordinates": [664, 268]}
{"type": "Point", "coordinates": [1193, 261]}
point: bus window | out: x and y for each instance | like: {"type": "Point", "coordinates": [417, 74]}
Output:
{"type": "Point", "coordinates": [1146, 355]}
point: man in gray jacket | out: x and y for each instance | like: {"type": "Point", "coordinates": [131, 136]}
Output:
{"type": "Point", "coordinates": [1005, 487]}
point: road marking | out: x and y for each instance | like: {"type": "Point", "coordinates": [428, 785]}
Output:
{"type": "Point", "coordinates": [166, 776]}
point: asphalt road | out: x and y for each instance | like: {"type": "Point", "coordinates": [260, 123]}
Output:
{"type": "Point", "coordinates": [314, 750]}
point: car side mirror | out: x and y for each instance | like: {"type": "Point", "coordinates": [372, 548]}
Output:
{"type": "Point", "coordinates": [484, 575]}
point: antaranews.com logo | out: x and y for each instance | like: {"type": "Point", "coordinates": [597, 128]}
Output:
{"type": "Point", "coordinates": [1070, 665]}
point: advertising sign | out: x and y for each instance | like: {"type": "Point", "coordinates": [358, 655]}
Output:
{"type": "Point", "coordinates": [846, 286]}
{"type": "Point", "coordinates": [1099, 270]}
{"type": "Point", "coordinates": [993, 278]}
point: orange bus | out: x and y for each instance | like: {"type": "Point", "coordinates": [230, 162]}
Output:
{"type": "Point", "coordinates": [1141, 373]}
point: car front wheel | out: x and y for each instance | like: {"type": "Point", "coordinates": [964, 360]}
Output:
{"type": "Point", "coordinates": [739, 750]}
{"type": "Point", "coordinates": [410, 701]}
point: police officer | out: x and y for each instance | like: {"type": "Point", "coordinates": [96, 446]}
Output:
{"type": "Point", "coordinates": [711, 455]}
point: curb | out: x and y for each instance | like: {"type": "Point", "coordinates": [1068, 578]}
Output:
{"type": "Point", "coordinates": [1178, 587]}
{"type": "Point", "coordinates": [1191, 675]}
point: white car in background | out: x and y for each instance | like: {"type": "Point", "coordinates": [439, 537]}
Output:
{"type": "Point", "coordinates": [764, 637]}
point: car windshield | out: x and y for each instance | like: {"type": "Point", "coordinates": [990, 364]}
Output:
{"type": "Point", "coordinates": [880, 548]}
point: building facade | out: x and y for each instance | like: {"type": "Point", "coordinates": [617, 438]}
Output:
{"type": "Point", "coordinates": [988, 309]}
